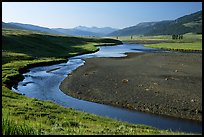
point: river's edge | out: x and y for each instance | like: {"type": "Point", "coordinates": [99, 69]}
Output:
{"type": "Point", "coordinates": [149, 42]}
{"type": "Point", "coordinates": [90, 69]}
{"type": "Point", "coordinates": [15, 79]}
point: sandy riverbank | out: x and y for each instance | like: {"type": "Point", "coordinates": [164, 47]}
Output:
{"type": "Point", "coordinates": [161, 83]}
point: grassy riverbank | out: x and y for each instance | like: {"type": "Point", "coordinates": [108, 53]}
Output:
{"type": "Point", "coordinates": [22, 115]}
{"type": "Point", "coordinates": [189, 37]}
{"type": "Point", "coordinates": [44, 117]}
{"type": "Point", "coordinates": [195, 46]}
{"type": "Point", "coordinates": [190, 42]}
{"type": "Point", "coordinates": [37, 44]}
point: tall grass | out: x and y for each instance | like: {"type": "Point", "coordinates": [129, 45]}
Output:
{"type": "Point", "coordinates": [12, 127]}
{"type": "Point", "coordinates": [173, 46]}
{"type": "Point", "coordinates": [187, 38]}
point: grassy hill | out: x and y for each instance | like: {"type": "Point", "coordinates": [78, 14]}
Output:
{"type": "Point", "coordinates": [47, 45]}
{"type": "Point", "coordinates": [186, 24]}
{"type": "Point", "coordinates": [29, 27]}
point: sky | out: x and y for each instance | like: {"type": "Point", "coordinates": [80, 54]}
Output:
{"type": "Point", "coordinates": [100, 14]}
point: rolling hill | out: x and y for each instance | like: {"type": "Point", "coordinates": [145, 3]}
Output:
{"type": "Point", "coordinates": [30, 27]}
{"type": "Point", "coordinates": [186, 24]}
{"type": "Point", "coordinates": [41, 44]}
{"type": "Point", "coordinates": [77, 31]}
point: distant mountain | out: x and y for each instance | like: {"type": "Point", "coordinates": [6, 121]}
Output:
{"type": "Point", "coordinates": [86, 31]}
{"type": "Point", "coordinates": [189, 23]}
{"type": "Point", "coordinates": [75, 32]}
{"type": "Point", "coordinates": [34, 28]}
{"type": "Point", "coordinates": [102, 31]}
{"type": "Point", "coordinates": [8, 25]}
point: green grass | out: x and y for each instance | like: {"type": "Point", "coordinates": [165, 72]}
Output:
{"type": "Point", "coordinates": [23, 115]}
{"type": "Point", "coordinates": [189, 42]}
{"type": "Point", "coordinates": [8, 56]}
{"type": "Point", "coordinates": [11, 71]}
{"type": "Point", "coordinates": [135, 37]}
{"type": "Point", "coordinates": [143, 39]}
{"type": "Point", "coordinates": [187, 38]}
{"type": "Point", "coordinates": [49, 118]}
{"type": "Point", "coordinates": [174, 46]}
{"type": "Point", "coordinates": [46, 45]}
{"type": "Point", "coordinates": [12, 127]}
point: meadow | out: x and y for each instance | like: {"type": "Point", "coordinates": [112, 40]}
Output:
{"type": "Point", "coordinates": [22, 115]}
{"type": "Point", "coordinates": [190, 41]}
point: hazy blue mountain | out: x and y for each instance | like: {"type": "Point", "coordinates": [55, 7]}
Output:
{"type": "Point", "coordinates": [34, 28]}
{"type": "Point", "coordinates": [102, 31]}
{"type": "Point", "coordinates": [76, 32]}
{"type": "Point", "coordinates": [48, 30]}
{"type": "Point", "coordinates": [86, 31]}
{"type": "Point", "coordinates": [188, 23]}
{"type": "Point", "coordinates": [8, 25]}
{"type": "Point", "coordinates": [140, 29]}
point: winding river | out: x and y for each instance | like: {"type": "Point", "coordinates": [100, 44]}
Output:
{"type": "Point", "coordinates": [35, 80]}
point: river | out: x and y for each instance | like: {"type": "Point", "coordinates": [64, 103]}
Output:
{"type": "Point", "coordinates": [43, 83]}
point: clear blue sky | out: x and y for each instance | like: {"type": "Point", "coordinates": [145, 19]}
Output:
{"type": "Point", "coordinates": [100, 14]}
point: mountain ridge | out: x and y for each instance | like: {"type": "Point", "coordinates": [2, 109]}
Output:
{"type": "Point", "coordinates": [181, 25]}
{"type": "Point", "coordinates": [185, 24]}
{"type": "Point", "coordinates": [77, 31]}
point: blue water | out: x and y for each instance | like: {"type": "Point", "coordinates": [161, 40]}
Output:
{"type": "Point", "coordinates": [35, 80]}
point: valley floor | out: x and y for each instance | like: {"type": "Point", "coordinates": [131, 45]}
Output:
{"type": "Point", "coordinates": [167, 84]}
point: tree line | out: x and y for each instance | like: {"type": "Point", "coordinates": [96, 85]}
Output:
{"type": "Point", "coordinates": [174, 36]}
